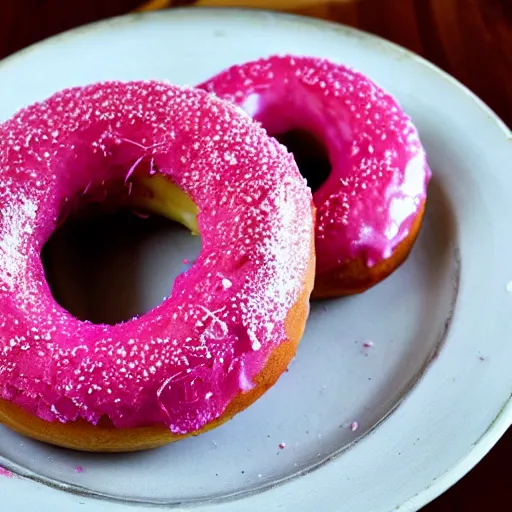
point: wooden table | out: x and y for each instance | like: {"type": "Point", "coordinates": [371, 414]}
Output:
{"type": "Point", "coordinates": [471, 39]}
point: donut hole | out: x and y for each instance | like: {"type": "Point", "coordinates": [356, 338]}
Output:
{"type": "Point", "coordinates": [116, 254]}
{"type": "Point", "coordinates": [310, 154]}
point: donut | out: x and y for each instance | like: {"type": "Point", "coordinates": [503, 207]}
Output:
{"type": "Point", "coordinates": [360, 153]}
{"type": "Point", "coordinates": [231, 323]}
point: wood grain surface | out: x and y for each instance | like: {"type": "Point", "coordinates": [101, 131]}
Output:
{"type": "Point", "coordinates": [471, 39]}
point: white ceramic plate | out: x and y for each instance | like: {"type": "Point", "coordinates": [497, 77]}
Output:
{"type": "Point", "coordinates": [432, 395]}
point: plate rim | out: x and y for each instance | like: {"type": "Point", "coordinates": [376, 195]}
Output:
{"type": "Point", "coordinates": [503, 419]}
{"type": "Point", "coordinates": [134, 16]}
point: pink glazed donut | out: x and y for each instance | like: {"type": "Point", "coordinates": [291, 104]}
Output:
{"type": "Point", "coordinates": [360, 153]}
{"type": "Point", "coordinates": [233, 320]}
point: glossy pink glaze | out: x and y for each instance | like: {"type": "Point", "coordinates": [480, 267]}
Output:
{"type": "Point", "coordinates": [183, 362]}
{"type": "Point", "coordinates": [379, 170]}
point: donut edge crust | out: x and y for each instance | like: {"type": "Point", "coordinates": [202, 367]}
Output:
{"type": "Point", "coordinates": [355, 277]}
{"type": "Point", "coordinates": [104, 437]}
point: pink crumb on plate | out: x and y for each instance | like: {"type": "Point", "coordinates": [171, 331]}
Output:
{"type": "Point", "coordinates": [5, 472]}
{"type": "Point", "coordinates": [79, 469]}
{"type": "Point", "coordinates": [354, 426]}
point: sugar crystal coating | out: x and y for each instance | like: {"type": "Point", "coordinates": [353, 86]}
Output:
{"type": "Point", "coordinates": [184, 361]}
{"type": "Point", "coordinates": [379, 176]}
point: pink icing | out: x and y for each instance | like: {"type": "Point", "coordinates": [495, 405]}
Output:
{"type": "Point", "coordinates": [379, 170]}
{"type": "Point", "coordinates": [183, 362]}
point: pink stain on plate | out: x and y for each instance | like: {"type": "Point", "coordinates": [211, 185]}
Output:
{"type": "Point", "coordinates": [79, 469]}
{"type": "Point", "coordinates": [5, 472]}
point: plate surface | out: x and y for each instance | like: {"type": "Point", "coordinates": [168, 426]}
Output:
{"type": "Point", "coordinates": [356, 426]}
